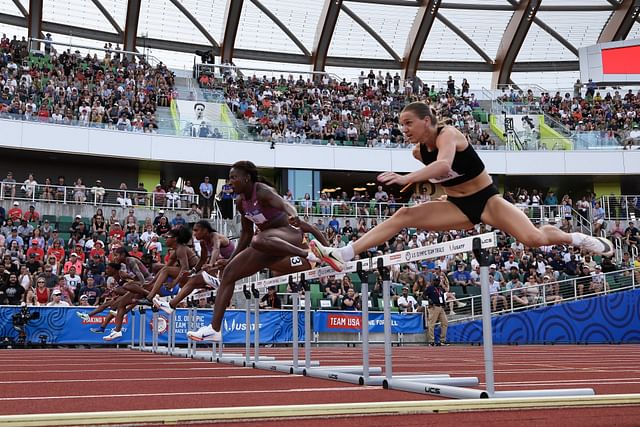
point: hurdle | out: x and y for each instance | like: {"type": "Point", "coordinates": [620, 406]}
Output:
{"type": "Point", "coordinates": [291, 366]}
{"type": "Point", "coordinates": [252, 298]}
{"type": "Point", "coordinates": [444, 388]}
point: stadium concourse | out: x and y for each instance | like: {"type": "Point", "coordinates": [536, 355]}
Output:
{"type": "Point", "coordinates": [320, 85]}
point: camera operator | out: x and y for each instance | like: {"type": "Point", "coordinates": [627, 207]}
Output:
{"type": "Point", "coordinates": [435, 294]}
{"type": "Point", "coordinates": [12, 292]}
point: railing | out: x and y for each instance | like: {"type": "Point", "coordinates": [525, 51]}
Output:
{"type": "Point", "coordinates": [235, 133]}
{"type": "Point", "coordinates": [624, 208]}
{"type": "Point", "coordinates": [551, 292]}
{"type": "Point", "coordinates": [95, 195]}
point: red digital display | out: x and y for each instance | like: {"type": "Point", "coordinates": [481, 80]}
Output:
{"type": "Point", "coordinates": [621, 60]}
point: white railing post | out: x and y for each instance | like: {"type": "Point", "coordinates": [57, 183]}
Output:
{"type": "Point", "coordinates": [511, 298]}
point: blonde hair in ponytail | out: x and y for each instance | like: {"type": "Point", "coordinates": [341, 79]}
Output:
{"type": "Point", "coordinates": [422, 110]}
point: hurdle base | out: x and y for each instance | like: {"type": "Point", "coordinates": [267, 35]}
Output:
{"type": "Point", "coordinates": [285, 366]}
{"type": "Point", "coordinates": [379, 380]}
{"type": "Point", "coordinates": [241, 360]}
{"type": "Point", "coordinates": [434, 389]}
{"type": "Point", "coordinates": [346, 374]}
{"type": "Point", "coordinates": [348, 369]}
{"type": "Point", "coordinates": [561, 392]}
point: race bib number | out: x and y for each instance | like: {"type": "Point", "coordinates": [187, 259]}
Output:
{"type": "Point", "coordinates": [451, 175]}
{"type": "Point", "coordinates": [257, 218]}
{"type": "Point", "coordinates": [296, 261]}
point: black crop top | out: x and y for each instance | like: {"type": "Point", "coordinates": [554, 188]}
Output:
{"type": "Point", "coordinates": [466, 166]}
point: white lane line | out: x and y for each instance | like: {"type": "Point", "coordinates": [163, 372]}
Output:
{"type": "Point", "coordinates": [64, 371]}
{"type": "Point", "coordinates": [193, 393]}
{"type": "Point", "coordinates": [101, 380]}
{"type": "Point", "coordinates": [560, 382]}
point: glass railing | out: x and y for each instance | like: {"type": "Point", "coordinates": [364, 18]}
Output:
{"type": "Point", "coordinates": [585, 140]}
{"type": "Point", "coordinates": [554, 290]}
{"type": "Point", "coordinates": [95, 195]}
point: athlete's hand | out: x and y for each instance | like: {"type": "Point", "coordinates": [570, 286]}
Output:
{"type": "Point", "coordinates": [388, 178]}
{"type": "Point", "coordinates": [221, 263]}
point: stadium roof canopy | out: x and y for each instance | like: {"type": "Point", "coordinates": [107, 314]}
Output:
{"type": "Point", "coordinates": [492, 41]}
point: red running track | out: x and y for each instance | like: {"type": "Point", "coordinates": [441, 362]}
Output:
{"type": "Point", "coordinates": [57, 381]}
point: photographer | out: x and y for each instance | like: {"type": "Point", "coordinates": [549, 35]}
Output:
{"type": "Point", "coordinates": [435, 294]}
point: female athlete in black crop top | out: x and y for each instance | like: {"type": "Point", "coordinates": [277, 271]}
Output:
{"type": "Point", "coordinates": [471, 196]}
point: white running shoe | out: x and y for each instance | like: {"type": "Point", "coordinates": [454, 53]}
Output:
{"type": "Point", "coordinates": [82, 315]}
{"type": "Point", "coordinates": [329, 255]}
{"type": "Point", "coordinates": [113, 312]}
{"type": "Point", "coordinates": [162, 305]}
{"type": "Point", "coordinates": [112, 336]}
{"type": "Point", "coordinates": [205, 333]}
{"type": "Point", "coordinates": [597, 245]}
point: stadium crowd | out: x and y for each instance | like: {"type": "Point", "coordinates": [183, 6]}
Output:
{"type": "Point", "coordinates": [586, 109]}
{"type": "Point", "coordinates": [62, 263]}
{"type": "Point", "coordinates": [115, 91]}
{"type": "Point", "coordinates": [338, 112]}
{"type": "Point", "coordinates": [41, 259]}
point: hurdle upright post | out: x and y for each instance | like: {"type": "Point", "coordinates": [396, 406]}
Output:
{"type": "Point", "coordinates": [132, 327]}
{"type": "Point", "coordinates": [296, 351]}
{"type": "Point", "coordinates": [247, 322]}
{"type": "Point", "coordinates": [386, 299]}
{"type": "Point", "coordinates": [143, 320]}
{"type": "Point", "coordinates": [487, 331]}
{"type": "Point", "coordinates": [171, 343]}
{"type": "Point", "coordinates": [307, 322]}
{"type": "Point", "coordinates": [256, 321]}
{"type": "Point", "coordinates": [364, 322]}
{"type": "Point", "coordinates": [154, 332]}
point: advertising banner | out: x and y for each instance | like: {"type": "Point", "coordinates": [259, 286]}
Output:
{"type": "Point", "coordinates": [351, 322]}
{"type": "Point", "coordinates": [61, 325]}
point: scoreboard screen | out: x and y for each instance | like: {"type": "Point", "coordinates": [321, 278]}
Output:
{"type": "Point", "coordinates": [614, 63]}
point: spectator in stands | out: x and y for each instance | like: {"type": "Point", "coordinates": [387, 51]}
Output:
{"type": "Point", "coordinates": [35, 251]}
{"type": "Point", "coordinates": [57, 299]}
{"type": "Point", "coordinates": [332, 290]}
{"type": "Point", "coordinates": [532, 290]}
{"type": "Point", "coordinates": [124, 197]}
{"type": "Point", "coordinates": [12, 293]}
{"type": "Point", "coordinates": [461, 277]}
{"type": "Point", "coordinates": [9, 186]}
{"type": "Point", "coordinates": [349, 301]}
{"type": "Point", "coordinates": [98, 192]}
{"type": "Point", "coordinates": [31, 215]}
{"type": "Point", "coordinates": [407, 303]}
{"type": "Point", "coordinates": [15, 213]}
{"type": "Point", "coordinates": [516, 292]}
{"type": "Point", "coordinates": [79, 191]}
{"type": "Point", "coordinates": [271, 299]}
{"type": "Point", "coordinates": [206, 197]}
